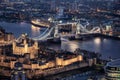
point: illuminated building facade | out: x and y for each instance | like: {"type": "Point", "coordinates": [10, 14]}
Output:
{"type": "Point", "coordinates": [24, 46]}
{"type": "Point", "coordinates": [113, 70]}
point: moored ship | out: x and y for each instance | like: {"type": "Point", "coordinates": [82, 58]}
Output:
{"type": "Point", "coordinates": [40, 23]}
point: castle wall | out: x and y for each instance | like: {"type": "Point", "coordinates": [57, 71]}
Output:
{"type": "Point", "coordinates": [70, 61]}
{"type": "Point", "coordinates": [26, 66]}
{"type": "Point", "coordinates": [12, 64]}
{"type": "Point", "coordinates": [50, 64]}
{"type": "Point", "coordinates": [4, 57]}
{"type": "Point", "coordinates": [6, 37]}
{"type": "Point", "coordinates": [5, 64]}
{"type": "Point", "coordinates": [9, 37]}
{"type": "Point", "coordinates": [47, 65]}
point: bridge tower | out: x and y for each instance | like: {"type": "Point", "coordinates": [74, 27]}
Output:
{"type": "Point", "coordinates": [56, 34]}
{"type": "Point", "coordinates": [78, 28]}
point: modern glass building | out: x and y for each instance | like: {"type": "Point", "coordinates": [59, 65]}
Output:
{"type": "Point", "coordinates": [112, 70]}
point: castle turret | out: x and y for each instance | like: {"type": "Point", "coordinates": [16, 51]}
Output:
{"type": "Point", "coordinates": [25, 46]}
{"type": "Point", "coordinates": [25, 41]}
{"type": "Point", "coordinates": [80, 57]}
{"type": "Point", "coordinates": [36, 45]}
{"type": "Point", "coordinates": [59, 61]}
{"type": "Point", "coordinates": [14, 45]}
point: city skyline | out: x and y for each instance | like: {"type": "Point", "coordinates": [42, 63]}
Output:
{"type": "Point", "coordinates": [59, 39]}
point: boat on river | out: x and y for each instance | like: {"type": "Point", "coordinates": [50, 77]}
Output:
{"type": "Point", "coordinates": [40, 23]}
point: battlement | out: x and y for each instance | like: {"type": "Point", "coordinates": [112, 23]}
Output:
{"type": "Point", "coordinates": [10, 61]}
{"type": "Point", "coordinates": [25, 46]}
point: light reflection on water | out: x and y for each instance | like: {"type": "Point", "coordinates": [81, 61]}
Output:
{"type": "Point", "coordinates": [35, 30]}
{"type": "Point", "coordinates": [107, 47]}
{"type": "Point", "coordinates": [19, 28]}
{"type": "Point", "coordinates": [97, 41]}
{"type": "Point", "coordinates": [70, 46]}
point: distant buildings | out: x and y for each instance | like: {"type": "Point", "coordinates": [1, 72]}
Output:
{"type": "Point", "coordinates": [75, 6]}
{"type": "Point", "coordinates": [53, 5]}
{"type": "Point", "coordinates": [5, 1]}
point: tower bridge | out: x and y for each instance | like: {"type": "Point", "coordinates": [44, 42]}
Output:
{"type": "Point", "coordinates": [53, 32]}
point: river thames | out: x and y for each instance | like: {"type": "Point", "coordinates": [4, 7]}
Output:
{"type": "Point", "coordinates": [106, 47]}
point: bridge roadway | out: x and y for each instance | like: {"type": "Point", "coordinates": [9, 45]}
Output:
{"type": "Point", "coordinates": [65, 36]}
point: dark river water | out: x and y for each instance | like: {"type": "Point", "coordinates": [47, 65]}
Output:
{"type": "Point", "coordinates": [107, 47]}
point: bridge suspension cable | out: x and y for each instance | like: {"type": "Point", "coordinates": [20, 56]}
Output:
{"type": "Point", "coordinates": [83, 29]}
{"type": "Point", "coordinates": [45, 34]}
